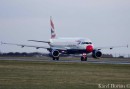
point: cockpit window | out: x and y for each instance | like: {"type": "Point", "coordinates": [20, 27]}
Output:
{"type": "Point", "coordinates": [86, 42]}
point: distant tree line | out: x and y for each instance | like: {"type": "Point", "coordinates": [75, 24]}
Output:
{"type": "Point", "coordinates": [23, 54]}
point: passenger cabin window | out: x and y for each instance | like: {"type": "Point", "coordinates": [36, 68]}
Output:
{"type": "Point", "coordinates": [86, 42]}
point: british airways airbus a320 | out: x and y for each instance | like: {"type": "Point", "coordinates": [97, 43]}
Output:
{"type": "Point", "coordinates": [59, 46]}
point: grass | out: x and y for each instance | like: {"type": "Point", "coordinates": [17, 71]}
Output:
{"type": "Point", "coordinates": [54, 75]}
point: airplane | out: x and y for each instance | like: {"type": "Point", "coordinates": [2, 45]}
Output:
{"type": "Point", "coordinates": [68, 45]}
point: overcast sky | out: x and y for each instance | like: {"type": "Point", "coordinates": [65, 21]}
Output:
{"type": "Point", "coordinates": [105, 22]}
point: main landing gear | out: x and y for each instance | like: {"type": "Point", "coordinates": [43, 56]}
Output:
{"type": "Point", "coordinates": [55, 58]}
{"type": "Point", "coordinates": [84, 57]}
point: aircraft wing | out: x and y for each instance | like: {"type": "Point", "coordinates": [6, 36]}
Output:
{"type": "Point", "coordinates": [61, 49]}
{"type": "Point", "coordinates": [22, 45]}
{"type": "Point", "coordinates": [40, 41]}
{"type": "Point", "coordinates": [111, 47]}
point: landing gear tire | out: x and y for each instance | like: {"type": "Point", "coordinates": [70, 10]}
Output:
{"type": "Point", "coordinates": [83, 58]}
{"type": "Point", "coordinates": [55, 58]}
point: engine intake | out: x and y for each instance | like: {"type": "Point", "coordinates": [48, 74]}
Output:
{"type": "Point", "coordinates": [55, 53]}
{"type": "Point", "coordinates": [96, 54]}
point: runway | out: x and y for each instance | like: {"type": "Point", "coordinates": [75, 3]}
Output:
{"type": "Point", "coordinates": [98, 61]}
{"type": "Point", "coordinates": [71, 60]}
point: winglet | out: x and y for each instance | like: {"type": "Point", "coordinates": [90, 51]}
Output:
{"type": "Point", "coordinates": [4, 43]}
{"type": "Point", "coordinates": [127, 46]}
{"type": "Point", "coordinates": [1, 43]}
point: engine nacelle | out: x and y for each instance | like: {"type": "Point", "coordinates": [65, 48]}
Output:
{"type": "Point", "coordinates": [96, 54]}
{"type": "Point", "coordinates": [55, 53]}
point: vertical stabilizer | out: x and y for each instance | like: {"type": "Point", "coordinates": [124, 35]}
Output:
{"type": "Point", "coordinates": [53, 34]}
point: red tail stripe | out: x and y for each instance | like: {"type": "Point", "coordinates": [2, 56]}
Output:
{"type": "Point", "coordinates": [52, 25]}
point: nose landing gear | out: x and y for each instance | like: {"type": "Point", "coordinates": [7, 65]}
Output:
{"type": "Point", "coordinates": [84, 57]}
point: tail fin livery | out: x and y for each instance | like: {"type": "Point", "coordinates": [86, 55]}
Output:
{"type": "Point", "coordinates": [53, 34]}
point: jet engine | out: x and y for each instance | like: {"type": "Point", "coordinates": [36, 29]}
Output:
{"type": "Point", "coordinates": [96, 54]}
{"type": "Point", "coordinates": [55, 53]}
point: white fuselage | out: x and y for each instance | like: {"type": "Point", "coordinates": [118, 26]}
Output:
{"type": "Point", "coordinates": [70, 43]}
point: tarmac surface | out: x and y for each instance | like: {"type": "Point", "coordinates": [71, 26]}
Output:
{"type": "Point", "coordinates": [71, 60]}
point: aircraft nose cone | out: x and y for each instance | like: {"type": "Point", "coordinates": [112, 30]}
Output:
{"type": "Point", "coordinates": [89, 48]}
